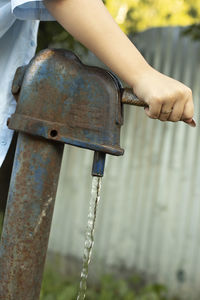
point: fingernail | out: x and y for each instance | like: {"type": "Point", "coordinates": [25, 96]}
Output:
{"type": "Point", "coordinates": [192, 124]}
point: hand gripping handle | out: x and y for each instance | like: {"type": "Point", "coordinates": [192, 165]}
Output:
{"type": "Point", "coordinates": [129, 98]}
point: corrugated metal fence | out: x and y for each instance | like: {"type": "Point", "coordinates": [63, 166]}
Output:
{"type": "Point", "coordinates": [149, 214]}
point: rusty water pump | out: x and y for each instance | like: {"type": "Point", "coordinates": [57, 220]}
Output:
{"type": "Point", "coordinates": [59, 100]}
{"type": "Point", "coordinates": [63, 100]}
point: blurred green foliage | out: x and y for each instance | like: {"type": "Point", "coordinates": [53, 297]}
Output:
{"type": "Point", "coordinates": [132, 16]}
{"type": "Point", "coordinates": [55, 287]}
{"type": "Point", "coordinates": [137, 15]}
{"type": "Point", "coordinates": [193, 31]}
{"type": "Point", "coordinates": [52, 34]}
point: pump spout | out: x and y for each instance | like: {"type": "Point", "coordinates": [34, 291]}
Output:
{"type": "Point", "coordinates": [98, 164]}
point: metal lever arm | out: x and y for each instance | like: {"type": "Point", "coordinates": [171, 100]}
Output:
{"type": "Point", "coordinates": [129, 98]}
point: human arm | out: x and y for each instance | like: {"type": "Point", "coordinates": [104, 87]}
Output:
{"type": "Point", "coordinates": [90, 23]}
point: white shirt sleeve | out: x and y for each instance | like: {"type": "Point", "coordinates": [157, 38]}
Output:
{"type": "Point", "coordinates": [30, 10]}
{"type": "Point", "coordinates": [6, 18]}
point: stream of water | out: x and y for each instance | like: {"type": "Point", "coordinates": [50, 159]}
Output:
{"type": "Point", "coordinates": [89, 239]}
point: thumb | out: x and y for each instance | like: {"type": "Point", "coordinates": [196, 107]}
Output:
{"type": "Point", "coordinates": [190, 122]}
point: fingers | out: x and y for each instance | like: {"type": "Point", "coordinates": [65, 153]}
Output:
{"type": "Point", "coordinates": [188, 111]}
{"type": "Point", "coordinates": [183, 112]}
{"type": "Point", "coordinates": [153, 111]}
{"type": "Point", "coordinates": [165, 112]}
{"type": "Point", "coordinates": [181, 109]}
{"type": "Point", "coordinates": [190, 122]}
{"type": "Point", "coordinates": [177, 112]}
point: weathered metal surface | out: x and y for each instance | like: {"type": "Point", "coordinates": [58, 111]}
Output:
{"type": "Point", "coordinates": [28, 217]}
{"type": "Point", "coordinates": [17, 81]}
{"type": "Point", "coordinates": [64, 100]}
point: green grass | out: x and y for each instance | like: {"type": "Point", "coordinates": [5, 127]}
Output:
{"type": "Point", "coordinates": [55, 287]}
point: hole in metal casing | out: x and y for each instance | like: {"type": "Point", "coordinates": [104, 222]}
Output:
{"type": "Point", "coordinates": [53, 133]}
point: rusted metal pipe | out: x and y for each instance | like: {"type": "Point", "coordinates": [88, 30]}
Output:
{"type": "Point", "coordinates": [129, 98]}
{"type": "Point", "coordinates": [28, 217]}
{"type": "Point", "coordinates": [98, 164]}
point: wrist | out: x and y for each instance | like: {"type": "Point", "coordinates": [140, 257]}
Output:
{"type": "Point", "coordinates": [139, 71]}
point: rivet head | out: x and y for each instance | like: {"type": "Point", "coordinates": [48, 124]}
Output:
{"type": "Point", "coordinates": [15, 88]}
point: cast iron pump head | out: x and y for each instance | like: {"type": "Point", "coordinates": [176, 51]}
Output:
{"type": "Point", "coordinates": [61, 99]}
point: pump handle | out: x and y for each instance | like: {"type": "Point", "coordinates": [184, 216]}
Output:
{"type": "Point", "coordinates": [129, 98]}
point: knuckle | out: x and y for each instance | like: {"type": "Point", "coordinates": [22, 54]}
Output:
{"type": "Point", "coordinates": [181, 92]}
{"type": "Point", "coordinates": [169, 100]}
{"type": "Point", "coordinates": [154, 101]}
{"type": "Point", "coordinates": [152, 116]}
{"type": "Point", "coordinates": [189, 112]}
{"type": "Point", "coordinates": [188, 115]}
{"type": "Point", "coordinates": [175, 118]}
{"type": "Point", "coordinates": [163, 118]}
{"type": "Point", "coordinates": [189, 92]}
{"type": "Point", "coordinates": [190, 104]}
{"type": "Point", "coordinates": [165, 101]}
